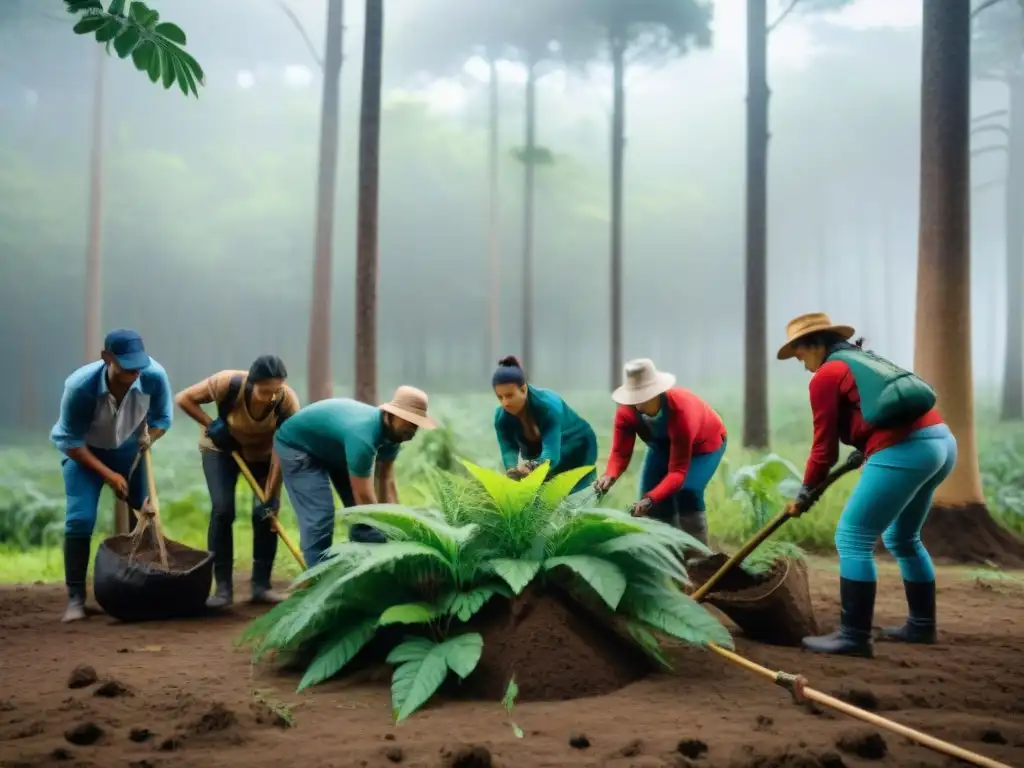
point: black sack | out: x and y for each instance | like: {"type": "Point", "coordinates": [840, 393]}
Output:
{"type": "Point", "coordinates": [140, 589]}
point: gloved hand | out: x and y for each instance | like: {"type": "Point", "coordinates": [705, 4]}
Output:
{"type": "Point", "coordinates": [642, 508]}
{"type": "Point", "coordinates": [220, 435]}
{"type": "Point", "coordinates": [604, 484]}
{"type": "Point", "coordinates": [795, 508]}
{"type": "Point", "coordinates": [267, 509]}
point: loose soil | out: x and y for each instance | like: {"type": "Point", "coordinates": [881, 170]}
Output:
{"type": "Point", "coordinates": [180, 558]}
{"type": "Point", "coordinates": [181, 694]}
{"type": "Point", "coordinates": [969, 534]}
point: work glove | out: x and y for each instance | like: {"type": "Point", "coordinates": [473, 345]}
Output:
{"type": "Point", "coordinates": [642, 508]}
{"type": "Point", "coordinates": [220, 435]}
{"type": "Point", "coordinates": [603, 484]}
{"type": "Point", "coordinates": [267, 509]}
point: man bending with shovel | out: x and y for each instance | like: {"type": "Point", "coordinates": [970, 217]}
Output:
{"type": "Point", "coordinates": [111, 411]}
{"type": "Point", "coordinates": [337, 442]}
{"type": "Point", "coordinates": [251, 406]}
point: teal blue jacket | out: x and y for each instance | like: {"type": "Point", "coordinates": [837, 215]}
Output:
{"type": "Point", "coordinates": [567, 440]}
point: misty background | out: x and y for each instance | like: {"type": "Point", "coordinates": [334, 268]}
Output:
{"type": "Point", "coordinates": [210, 204]}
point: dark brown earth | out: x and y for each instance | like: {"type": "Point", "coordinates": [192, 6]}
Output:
{"type": "Point", "coordinates": [180, 694]}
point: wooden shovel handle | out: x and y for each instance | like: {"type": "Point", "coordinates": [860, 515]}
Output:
{"type": "Point", "coordinates": [262, 496]}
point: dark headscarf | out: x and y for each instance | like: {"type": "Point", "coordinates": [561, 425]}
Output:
{"type": "Point", "coordinates": [509, 371]}
{"type": "Point", "coordinates": [267, 367]}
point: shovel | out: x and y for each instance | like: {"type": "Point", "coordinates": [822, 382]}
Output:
{"type": "Point", "coordinates": [274, 522]}
{"type": "Point", "coordinates": [853, 461]}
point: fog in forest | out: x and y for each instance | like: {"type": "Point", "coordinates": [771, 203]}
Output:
{"type": "Point", "coordinates": [209, 204]}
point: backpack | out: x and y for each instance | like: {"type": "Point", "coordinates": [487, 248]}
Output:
{"type": "Point", "coordinates": [225, 406]}
{"type": "Point", "coordinates": [889, 395]}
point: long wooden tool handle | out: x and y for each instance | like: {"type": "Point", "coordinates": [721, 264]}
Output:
{"type": "Point", "coordinates": [853, 461]}
{"type": "Point", "coordinates": [274, 522]}
{"type": "Point", "coordinates": [154, 504]}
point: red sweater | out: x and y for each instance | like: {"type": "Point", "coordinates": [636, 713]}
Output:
{"type": "Point", "coordinates": [693, 428]}
{"type": "Point", "coordinates": [835, 404]}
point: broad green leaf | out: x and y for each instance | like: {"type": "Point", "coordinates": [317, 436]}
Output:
{"type": "Point", "coordinates": [143, 54]}
{"type": "Point", "coordinates": [167, 67]}
{"type": "Point", "coordinates": [116, 7]}
{"type": "Point", "coordinates": [413, 649]}
{"type": "Point", "coordinates": [172, 32]}
{"type": "Point", "coordinates": [156, 63]}
{"type": "Point", "coordinates": [602, 576]}
{"type": "Point", "coordinates": [672, 612]}
{"type": "Point", "coordinates": [109, 30]}
{"type": "Point", "coordinates": [464, 605]}
{"type": "Point", "coordinates": [408, 613]}
{"type": "Point", "coordinates": [179, 74]}
{"type": "Point", "coordinates": [647, 642]}
{"type": "Point", "coordinates": [501, 489]}
{"type": "Point", "coordinates": [89, 24]}
{"type": "Point", "coordinates": [516, 573]}
{"type": "Point", "coordinates": [462, 653]}
{"type": "Point", "coordinates": [415, 681]}
{"type": "Point", "coordinates": [193, 66]}
{"type": "Point", "coordinates": [337, 651]}
{"type": "Point", "coordinates": [533, 481]}
{"type": "Point", "coordinates": [125, 42]}
{"type": "Point", "coordinates": [558, 488]}
{"type": "Point", "coordinates": [139, 12]}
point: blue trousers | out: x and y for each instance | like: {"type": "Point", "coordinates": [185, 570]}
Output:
{"type": "Point", "coordinates": [687, 504]}
{"type": "Point", "coordinates": [308, 482]}
{"type": "Point", "coordinates": [82, 487]}
{"type": "Point", "coordinates": [582, 453]}
{"type": "Point", "coordinates": [892, 500]}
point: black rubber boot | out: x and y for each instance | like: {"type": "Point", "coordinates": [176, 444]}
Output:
{"type": "Point", "coordinates": [76, 567]}
{"type": "Point", "coordinates": [264, 550]}
{"type": "Point", "coordinates": [219, 541]}
{"type": "Point", "coordinates": [854, 635]}
{"type": "Point", "coordinates": [920, 624]}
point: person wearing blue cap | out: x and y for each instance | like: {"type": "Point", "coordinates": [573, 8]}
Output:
{"type": "Point", "coordinates": [111, 411]}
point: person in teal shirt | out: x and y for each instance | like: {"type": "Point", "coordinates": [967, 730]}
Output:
{"type": "Point", "coordinates": [537, 425]}
{"type": "Point", "coordinates": [340, 442]}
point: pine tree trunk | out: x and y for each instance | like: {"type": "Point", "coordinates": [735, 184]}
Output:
{"type": "Point", "coordinates": [755, 392]}
{"type": "Point", "coordinates": [92, 340]}
{"type": "Point", "coordinates": [1013, 365]}
{"type": "Point", "coordinates": [618, 48]}
{"type": "Point", "coordinates": [959, 526]}
{"type": "Point", "coordinates": [494, 200]}
{"type": "Point", "coordinates": [369, 196]}
{"type": "Point", "coordinates": [321, 385]}
{"type": "Point", "coordinates": [529, 195]}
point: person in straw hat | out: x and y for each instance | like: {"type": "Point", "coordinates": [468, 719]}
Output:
{"type": "Point", "coordinates": [685, 439]}
{"type": "Point", "coordinates": [337, 442]}
{"type": "Point", "coordinates": [908, 454]}
{"type": "Point", "coordinates": [540, 426]}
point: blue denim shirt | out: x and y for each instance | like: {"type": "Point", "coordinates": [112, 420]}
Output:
{"type": "Point", "coordinates": [90, 416]}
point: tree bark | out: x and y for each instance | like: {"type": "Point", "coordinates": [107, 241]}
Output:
{"type": "Point", "coordinates": [369, 197]}
{"type": "Point", "coordinates": [959, 526]}
{"type": "Point", "coordinates": [1013, 365]}
{"type": "Point", "coordinates": [494, 200]}
{"type": "Point", "coordinates": [92, 340]}
{"type": "Point", "coordinates": [755, 394]}
{"type": "Point", "coordinates": [321, 385]}
{"type": "Point", "coordinates": [529, 193]}
{"type": "Point", "coordinates": [618, 150]}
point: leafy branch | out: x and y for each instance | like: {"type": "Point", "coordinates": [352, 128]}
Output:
{"type": "Point", "coordinates": [156, 47]}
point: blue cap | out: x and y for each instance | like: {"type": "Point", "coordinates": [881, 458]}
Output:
{"type": "Point", "coordinates": [126, 345]}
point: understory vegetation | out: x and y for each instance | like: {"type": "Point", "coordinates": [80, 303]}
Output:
{"type": "Point", "coordinates": [745, 492]}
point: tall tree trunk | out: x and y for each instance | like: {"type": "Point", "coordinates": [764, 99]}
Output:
{"type": "Point", "coordinates": [529, 193]}
{"type": "Point", "coordinates": [321, 385]}
{"type": "Point", "coordinates": [1013, 365]}
{"type": "Point", "coordinates": [618, 148]}
{"type": "Point", "coordinates": [92, 340]}
{"type": "Point", "coordinates": [494, 199]}
{"type": "Point", "coordinates": [755, 392]}
{"type": "Point", "coordinates": [369, 196]}
{"type": "Point", "coordinates": [959, 526]}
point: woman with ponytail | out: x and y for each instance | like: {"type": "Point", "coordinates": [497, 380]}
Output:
{"type": "Point", "coordinates": [537, 425]}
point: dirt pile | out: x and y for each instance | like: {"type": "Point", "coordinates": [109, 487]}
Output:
{"type": "Point", "coordinates": [180, 558]}
{"type": "Point", "coordinates": [970, 535]}
{"type": "Point", "coordinates": [555, 649]}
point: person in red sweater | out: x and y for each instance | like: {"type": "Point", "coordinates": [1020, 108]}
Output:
{"type": "Point", "coordinates": [904, 465]}
{"type": "Point", "coordinates": [685, 440]}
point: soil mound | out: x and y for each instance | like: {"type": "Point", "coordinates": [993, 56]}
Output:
{"type": "Point", "coordinates": [556, 649]}
{"type": "Point", "coordinates": [180, 558]}
{"type": "Point", "coordinates": [969, 534]}
{"type": "Point", "coordinates": [772, 608]}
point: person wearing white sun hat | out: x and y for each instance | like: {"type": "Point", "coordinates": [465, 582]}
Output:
{"type": "Point", "coordinates": [338, 442]}
{"type": "Point", "coordinates": [685, 439]}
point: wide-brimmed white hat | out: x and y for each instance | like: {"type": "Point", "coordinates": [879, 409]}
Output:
{"type": "Point", "coordinates": [804, 325]}
{"type": "Point", "coordinates": [643, 381]}
{"type": "Point", "coordinates": [410, 404]}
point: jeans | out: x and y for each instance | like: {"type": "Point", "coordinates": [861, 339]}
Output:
{"type": "Point", "coordinates": [221, 473]}
{"type": "Point", "coordinates": [685, 509]}
{"type": "Point", "coordinates": [892, 500]}
{"type": "Point", "coordinates": [308, 482]}
{"type": "Point", "coordinates": [82, 487]}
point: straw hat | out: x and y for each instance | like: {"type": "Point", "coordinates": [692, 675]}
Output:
{"type": "Point", "coordinates": [805, 325]}
{"type": "Point", "coordinates": [410, 404]}
{"type": "Point", "coordinates": [643, 382]}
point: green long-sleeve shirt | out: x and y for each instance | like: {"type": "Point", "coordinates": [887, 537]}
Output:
{"type": "Point", "coordinates": [564, 435]}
